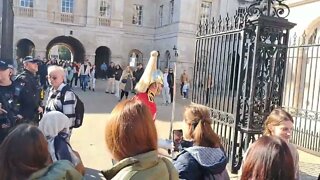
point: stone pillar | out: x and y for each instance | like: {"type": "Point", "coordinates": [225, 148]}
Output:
{"type": "Point", "coordinates": [91, 57]}
{"type": "Point", "coordinates": [40, 52]}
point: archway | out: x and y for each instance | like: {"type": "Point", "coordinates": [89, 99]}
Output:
{"type": "Point", "coordinates": [135, 57]}
{"type": "Point", "coordinates": [62, 52]}
{"type": "Point", "coordinates": [25, 47]}
{"type": "Point", "coordinates": [103, 54]}
{"type": "Point", "coordinates": [74, 45]}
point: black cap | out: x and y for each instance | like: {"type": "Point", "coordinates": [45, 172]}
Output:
{"type": "Point", "coordinates": [5, 64]}
{"type": "Point", "coordinates": [30, 59]}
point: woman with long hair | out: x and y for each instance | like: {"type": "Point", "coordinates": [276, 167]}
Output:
{"type": "Point", "coordinates": [131, 139]}
{"type": "Point", "coordinates": [23, 152]}
{"type": "Point", "coordinates": [126, 84]}
{"type": "Point", "coordinates": [280, 123]}
{"type": "Point", "coordinates": [206, 159]}
{"type": "Point", "coordinates": [269, 158]}
{"type": "Point", "coordinates": [24, 155]}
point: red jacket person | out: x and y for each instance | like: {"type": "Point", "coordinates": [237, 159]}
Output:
{"type": "Point", "coordinates": [150, 84]}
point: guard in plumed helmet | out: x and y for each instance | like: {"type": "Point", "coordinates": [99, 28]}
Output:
{"type": "Point", "coordinates": [150, 84]}
{"type": "Point", "coordinates": [30, 106]}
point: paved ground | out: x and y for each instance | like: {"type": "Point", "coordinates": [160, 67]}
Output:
{"type": "Point", "coordinates": [89, 139]}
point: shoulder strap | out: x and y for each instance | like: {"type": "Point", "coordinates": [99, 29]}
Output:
{"type": "Point", "coordinates": [63, 93]}
{"type": "Point", "coordinates": [20, 75]}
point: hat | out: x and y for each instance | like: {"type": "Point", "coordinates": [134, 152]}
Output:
{"type": "Point", "coordinates": [30, 59]}
{"type": "Point", "coordinates": [150, 74]}
{"type": "Point", "coordinates": [5, 64]}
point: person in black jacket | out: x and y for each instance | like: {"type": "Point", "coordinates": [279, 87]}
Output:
{"type": "Point", "coordinates": [30, 106]}
{"type": "Point", "coordinates": [137, 74]}
{"type": "Point", "coordinates": [9, 105]}
{"type": "Point", "coordinates": [110, 81]}
{"type": "Point", "coordinates": [118, 74]}
{"type": "Point", "coordinates": [171, 82]}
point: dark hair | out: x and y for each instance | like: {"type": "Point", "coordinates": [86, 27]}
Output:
{"type": "Point", "coordinates": [269, 158]}
{"type": "Point", "coordinates": [23, 152]}
{"type": "Point", "coordinates": [130, 130]}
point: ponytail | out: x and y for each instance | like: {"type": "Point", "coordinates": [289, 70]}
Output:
{"type": "Point", "coordinates": [198, 117]}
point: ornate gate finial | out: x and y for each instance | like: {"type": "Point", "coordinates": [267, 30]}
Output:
{"type": "Point", "coordinates": [275, 8]}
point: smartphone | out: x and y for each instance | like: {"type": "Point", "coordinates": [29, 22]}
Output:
{"type": "Point", "coordinates": [177, 138]}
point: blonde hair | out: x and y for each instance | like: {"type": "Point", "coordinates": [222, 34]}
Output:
{"type": "Point", "coordinates": [200, 130]}
{"type": "Point", "coordinates": [55, 68]}
{"type": "Point", "coordinates": [130, 130]}
{"type": "Point", "coordinates": [275, 118]}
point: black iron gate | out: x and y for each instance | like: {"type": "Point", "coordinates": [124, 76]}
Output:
{"type": "Point", "coordinates": [239, 72]}
{"type": "Point", "coordinates": [302, 91]}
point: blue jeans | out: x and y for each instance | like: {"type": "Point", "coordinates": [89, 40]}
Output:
{"type": "Point", "coordinates": [84, 81]}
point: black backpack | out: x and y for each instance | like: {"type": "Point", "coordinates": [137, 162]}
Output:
{"type": "Point", "coordinates": [79, 109]}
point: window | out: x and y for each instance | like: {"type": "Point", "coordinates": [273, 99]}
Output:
{"type": "Point", "coordinates": [67, 6]}
{"type": "Point", "coordinates": [161, 15]}
{"type": "Point", "coordinates": [105, 8]}
{"type": "Point", "coordinates": [171, 10]}
{"type": "Point", "coordinates": [26, 3]}
{"type": "Point", "coordinates": [137, 14]}
{"type": "Point", "coordinates": [205, 11]}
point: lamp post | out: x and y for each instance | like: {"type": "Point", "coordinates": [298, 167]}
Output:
{"type": "Point", "coordinates": [174, 91]}
{"type": "Point", "coordinates": [7, 30]}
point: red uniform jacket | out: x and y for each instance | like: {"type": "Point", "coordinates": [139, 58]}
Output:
{"type": "Point", "coordinates": [148, 100]}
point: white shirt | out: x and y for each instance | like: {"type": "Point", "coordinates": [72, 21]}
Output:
{"type": "Point", "coordinates": [165, 80]}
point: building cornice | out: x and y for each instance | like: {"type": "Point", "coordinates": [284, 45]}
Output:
{"type": "Point", "coordinates": [301, 3]}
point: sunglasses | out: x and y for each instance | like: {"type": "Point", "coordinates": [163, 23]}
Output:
{"type": "Point", "coordinates": [52, 77]}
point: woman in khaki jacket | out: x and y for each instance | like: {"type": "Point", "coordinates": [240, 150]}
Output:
{"type": "Point", "coordinates": [131, 139]}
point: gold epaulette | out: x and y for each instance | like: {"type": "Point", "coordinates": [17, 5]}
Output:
{"type": "Point", "coordinates": [151, 96]}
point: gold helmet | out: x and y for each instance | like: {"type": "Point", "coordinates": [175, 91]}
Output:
{"type": "Point", "coordinates": [150, 74]}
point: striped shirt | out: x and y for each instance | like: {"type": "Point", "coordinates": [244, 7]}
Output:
{"type": "Point", "coordinates": [54, 103]}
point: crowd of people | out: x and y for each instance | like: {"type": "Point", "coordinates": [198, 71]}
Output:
{"type": "Point", "coordinates": [33, 149]}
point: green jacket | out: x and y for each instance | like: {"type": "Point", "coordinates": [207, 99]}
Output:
{"type": "Point", "coordinates": [143, 166]}
{"type": "Point", "coordinates": [62, 169]}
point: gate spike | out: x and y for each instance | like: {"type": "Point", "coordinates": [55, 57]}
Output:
{"type": "Point", "coordinates": [304, 35]}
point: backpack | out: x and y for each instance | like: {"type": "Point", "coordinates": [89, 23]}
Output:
{"type": "Point", "coordinates": [79, 109]}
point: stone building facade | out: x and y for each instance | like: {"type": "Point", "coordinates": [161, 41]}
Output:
{"type": "Point", "coordinates": [112, 30]}
{"type": "Point", "coordinates": [117, 30]}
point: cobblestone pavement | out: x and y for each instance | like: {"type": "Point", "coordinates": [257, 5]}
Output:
{"type": "Point", "coordinates": [89, 139]}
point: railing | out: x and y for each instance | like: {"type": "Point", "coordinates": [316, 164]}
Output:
{"type": "Point", "coordinates": [301, 95]}
{"type": "Point", "coordinates": [66, 18]}
{"type": "Point", "coordinates": [25, 11]}
{"type": "Point", "coordinates": [102, 21]}
{"type": "Point", "coordinates": [60, 17]}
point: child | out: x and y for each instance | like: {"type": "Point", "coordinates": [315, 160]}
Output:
{"type": "Point", "coordinates": [185, 89]}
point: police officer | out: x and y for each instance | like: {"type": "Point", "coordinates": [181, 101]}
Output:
{"type": "Point", "coordinates": [9, 95]}
{"type": "Point", "coordinates": [30, 103]}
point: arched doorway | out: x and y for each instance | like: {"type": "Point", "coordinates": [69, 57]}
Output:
{"type": "Point", "coordinates": [62, 52]}
{"type": "Point", "coordinates": [103, 54]}
{"type": "Point", "coordinates": [135, 57]}
{"type": "Point", "coordinates": [25, 47]}
{"type": "Point", "coordinates": [65, 43]}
